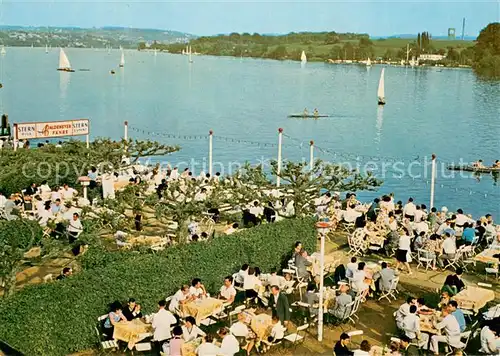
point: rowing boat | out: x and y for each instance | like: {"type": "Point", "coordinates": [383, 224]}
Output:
{"type": "Point", "coordinates": [474, 169]}
{"type": "Point", "coordinates": [302, 116]}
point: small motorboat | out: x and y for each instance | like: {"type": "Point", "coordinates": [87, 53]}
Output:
{"type": "Point", "coordinates": [468, 168]}
{"type": "Point", "coordinates": [112, 71]}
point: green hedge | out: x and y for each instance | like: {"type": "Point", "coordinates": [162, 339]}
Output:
{"type": "Point", "coordinates": [58, 318]}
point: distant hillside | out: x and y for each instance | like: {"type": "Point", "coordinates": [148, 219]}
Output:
{"type": "Point", "coordinates": [413, 36]}
{"type": "Point", "coordinates": [87, 37]}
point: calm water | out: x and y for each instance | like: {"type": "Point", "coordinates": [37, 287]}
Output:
{"type": "Point", "coordinates": [448, 112]}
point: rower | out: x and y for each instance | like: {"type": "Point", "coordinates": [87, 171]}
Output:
{"type": "Point", "coordinates": [306, 113]}
{"type": "Point", "coordinates": [478, 164]}
{"type": "Point", "coordinates": [316, 113]}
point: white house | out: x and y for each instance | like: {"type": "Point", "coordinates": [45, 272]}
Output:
{"type": "Point", "coordinates": [431, 57]}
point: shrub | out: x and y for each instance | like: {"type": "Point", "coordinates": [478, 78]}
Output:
{"type": "Point", "coordinates": [58, 318]}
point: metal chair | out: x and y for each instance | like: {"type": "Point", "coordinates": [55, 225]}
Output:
{"type": "Point", "coordinates": [421, 253]}
{"type": "Point", "coordinates": [295, 338]}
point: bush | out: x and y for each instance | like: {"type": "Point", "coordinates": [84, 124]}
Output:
{"type": "Point", "coordinates": [58, 318]}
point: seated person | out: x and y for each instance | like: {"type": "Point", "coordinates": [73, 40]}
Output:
{"type": "Point", "coordinates": [277, 332]}
{"type": "Point", "coordinates": [311, 297]}
{"type": "Point", "coordinates": [341, 310]}
{"type": "Point", "coordinates": [207, 347]}
{"type": "Point", "coordinates": [227, 291]}
{"type": "Point", "coordinates": [422, 309]}
{"type": "Point", "coordinates": [180, 297]}
{"type": "Point", "coordinates": [197, 289]}
{"type": "Point", "coordinates": [289, 284]}
{"type": "Point", "coordinates": [174, 348]}
{"type": "Point", "coordinates": [115, 316]}
{"type": "Point", "coordinates": [403, 311]}
{"type": "Point", "coordinates": [190, 330]}
{"type": "Point", "coordinates": [240, 328]}
{"type": "Point", "coordinates": [453, 283]}
{"type": "Point", "coordinates": [364, 349]}
{"type": "Point", "coordinates": [229, 345]}
{"type": "Point", "coordinates": [132, 310]}
{"type": "Point", "coordinates": [340, 348]}
{"type": "Point", "coordinates": [445, 299]}
{"type": "Point", "coordinates": [231, 229]}
{"type": "Point", "coordinates": [351, 214]}
{"type": "Point", "coordinates": [469, 234]}
{"type": "Point", "coordinates": [360, 284]}
{"type": "Point", "coordinates": [251, 284]}
{"type": "Point", "coordinates": [490, 341]}
{"type": "Point", "coordinates": [458, 314]}
{"type": "Point", "coordinates": [411, 328]}
{"type": "Point", "coordinates": [351, 267]}
{"type": "Point", "coordinates": [275, 280]}
{"type": "Point", "coordinates": [66, 272]}
{"type": "Point", "coordinates": [240, 276]}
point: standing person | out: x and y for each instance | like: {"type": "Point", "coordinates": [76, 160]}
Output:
{"type": "Point", "coordinates": [75, 228]}
{"type": "Point", "coordinates": [404, 250]}
{"type": "Point", "coordinates": [279, 305]}
{"type": "Point", "coordinates": [162, 322]}
{"type": "Point", "coordinates": [341, 348]}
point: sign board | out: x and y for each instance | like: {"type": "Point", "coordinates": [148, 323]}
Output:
{"type": "Point", "coordinates": [32, 130]}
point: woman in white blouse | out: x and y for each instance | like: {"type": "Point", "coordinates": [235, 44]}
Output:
{"type": "Point", "coordinates": [190, 330]}
{"type": "Point", "coordinates": [403, 255]}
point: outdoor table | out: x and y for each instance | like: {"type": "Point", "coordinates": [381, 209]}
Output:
{"type": "Point", "coordinates": [202, 308]}
{"type": "Point", "coordinates": [473, 298]}
{"type": "Point", "coordinates": [131, 331]}
{"type": "Point", "coordinates": [189, 348]}
{"type": "Point", "coordinates": [330, 263]}
{"type": "Point", "coordinates": [380, 351]}
{"type": "Point", "coordinates": [426, 324]}
{"type": "Point", "coordinates": [487, 256]}
{"type": "Point", "coordinates": [144, 240]}
{"type": "Point", "coordinates": [261, 325]}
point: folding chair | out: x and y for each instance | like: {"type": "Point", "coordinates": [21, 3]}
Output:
{"type": "Point", "coordinates": [143, 346]}
{"type": "Point", "coordinates": [235, 312]}
{"type": "Point", "coordinates": [391, 291]}
{"type": "Point", "coordinates": [421, 253]}
{"type": "Point", "coordinates": [468, 257]}
{"type": "Point", "coordinates": [295, 338]}
{"type": "Point", "coordinates": [463, 345]}
{"type": "Point", "coordinates": [104, 344]}
{"type": "Point", "coordinates": [455, 262]}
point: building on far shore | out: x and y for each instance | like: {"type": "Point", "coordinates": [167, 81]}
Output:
{"type": "Point", "coordinates": [431, 57]}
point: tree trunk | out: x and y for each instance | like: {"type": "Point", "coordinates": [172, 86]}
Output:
{"type": "Point", "coordinates": [182, 231]}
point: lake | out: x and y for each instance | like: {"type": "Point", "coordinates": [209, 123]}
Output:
{"type": "Point", "coordinates": [244, 101]}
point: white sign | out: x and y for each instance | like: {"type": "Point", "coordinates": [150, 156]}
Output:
{"type": "Point", "coordinates": [33, 130]}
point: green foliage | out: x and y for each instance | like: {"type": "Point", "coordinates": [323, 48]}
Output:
{"type": "Point", "coordinates": [16, 238]}
{"type": "Point", "coordinates": [59, 165]}
{"type": "Point", "coordinates": [59, 317]}
{"type": "Point", "coordinates": [487, 51]}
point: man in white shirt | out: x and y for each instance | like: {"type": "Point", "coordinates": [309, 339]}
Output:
{"type": "Point", "coordinates": [162, 322]}
{"type": "Point", "coordinates": [275, 280]}
{"type": "Point", "coordinates": [197, 289]}
{"type": "Point", "coordinates": [256, 209]}
{"type": "Point", "coordinates": [207, 347]}
{"type": "Point", "coordinates": [421, 226]}
{"type": "Point", "coordinates": [67, 193]}
{"type": "Point", "coordinates": [45, 189]}
{"type": "Point", "coordinates": [451, 331]}
{"type": "Point", "coordinates": [351, 214]}
{"type": "Point", "coordinates": [444, 226]}
{"type": "Point", "coordinates": [174, 174]}
{"type": "Point", "coordinates": [411, 328]}
{"type": "Point", "coordinates": [449, 249]}
{"type": "Point", "coordinates": [419, 214]}
{"type": "Point", "coordinates": [227, 291]}
{"type": "Point", "coordinates": [3, 200]}
{"type": "Point", "coordinates": [229, 345]}
{"type": "Point", "coordinates": [75, 227]}
{"type": "Point", "coordinates": [403, 311]}
{"type": "Point", "coordinates": [461, 219]}
{"type": "Point", "coordinates": [44, 215]}
{"type": "Point", "coordinates": [240, 276]}
{"type": "Point", "coordinates": [409, 210]}
{"type": "Point", "coordinates": [180, 297]}
{"type": "Point", "coordinates": [490, 343]}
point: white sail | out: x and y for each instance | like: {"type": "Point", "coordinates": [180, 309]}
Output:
{"type": "Point", "coordinates": [381, 87]}
{"type": "Point", "coordinates": [3, 51]}
{"type": "Point", "coordinates": [368, 62]}
{"type": "Point", "coordinates": [402, 62]}
{"type": "Point", "coordinates": [122, 60]}
{"type": "Point", "coordinates": [190, 55]}
{"type": "Point", "coordinates": [63, 60]}
{"type": "Point", "coordinates": [46, 49]}
{"type": "Point", "coordinates": [303, 57]}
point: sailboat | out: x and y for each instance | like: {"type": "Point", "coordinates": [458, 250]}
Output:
{"type": "Point", "coordinates": [156, 52]}
{"type": "Point", "coordinates": [381, 89]}
{"type": "Point", "coordinates": [64, 64]}
{"type": "Point", "coordinates": [402, 62]}
{"type": "Point", "coordinates": [46, 49]}
{"type": "Point", "coordinates": [190, 55]}
{"type": "Point", "coordinates": [3, 52]}
{"type": "Point", "coordinates": [368, 62]}
{"type": "Point", "coordinates": [303, 57]}
{"type": "Point", "coordinates": [122, 60]}
{"type": "Point", "coordinates": [412, 62]}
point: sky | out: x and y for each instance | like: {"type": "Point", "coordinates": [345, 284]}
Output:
{"type": "Point", "coordinates": [203, 17]}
